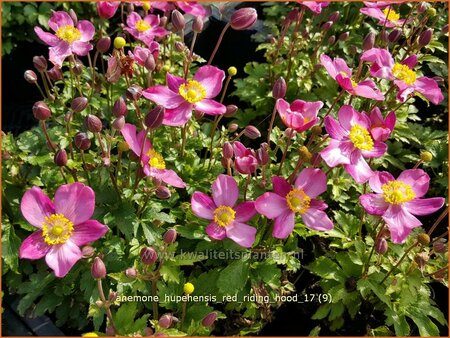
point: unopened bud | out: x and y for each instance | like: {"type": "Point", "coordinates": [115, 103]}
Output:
{"type": "Point", "coordinates": [209, 319]}
{"type": "Point", "coordinates": [55, 74]}
{"type": "Point", "coordinates": [163, 21]}
{"type": "Point", "coordinates": [68, 117]}
{"type": "Point", "coordinates": [426, 156]}
{"type": "Point", "coordinates": [93, 123]}
{"type": "Point", "coordinates": [131, 272]}
{"type": "Point", "coordinates": [243, 18]}
{"type": "Point", "coordinates": [327, 25]}
{"type": "Point", "coordinates": [134, 92]}
{"type": "Point", "coordinates": [112, 296]}
{"type": "Point", "coordinates": [445, 29]}
{"type": "Point", "coordinates": [331, 40]}
{"type": "Point", "coordinates": [60, 158]}
{"type": "Point", "coordinates": [290, 133]}
{"type": "Point", "coordinates": [109, 331]}
{"type": "Point", "coordinates": [384, 36]}
{"type": "Point", "coordinates": [78, 104]}
{"type": "Point", "coordinates": [304, 153]}
{"type": "Point", "coordinates": [148, 255]}
{"type": "Point", "coordinates": [40, 63]}
{"type": "Point", "coordinates": [179, 46]}
{"type": "Point", "coordinates": [150, 63]}
{"type": "Point", "coordinates": [425, 37]}
{"type": "Point", "coordinates": [87, 251]}
{"type": "Point", "coordinates": [99, 303]}
{"type": "Point", "coordinates": [148, 331]}
{"type": "Point", "coordinates": [279, 88]}
{"type": "Point", "coordinates": [381, 246]}
{"type": "Point", "coordinates": [170, 236]}
{"type": "Point", "coordinates": [232, 71]}
{"type": "Point", "coordinates": [41, 111]}
{"type": "Point", "coordinates": [163, 192]}
{"type": "Point", "coordinates": [98, 270]}
{"type": "Point", "coordinates": [439, 247]}
{"type": "Point", "coordinates": [227, 150]}
{"type": "Point", "coordinates": [232, 127]}
{"type": "Point", "coordinates": [421, 259]}
{"type": "Point", "coordinates": [82, 141]}
{"type": "Point", "coordinates": [317, 130]}
{"type": "Point", "coordinates": [77, 67]}
{"type": "Point", "coordinates": [120, 107]}
{"type": "Point", "coordinates": [423, 239]}
{"type": "Point", "coordinates": [198, 114]}
{"type": "Point", "coordinates": [252, 132]}
{"type": "Point", "coordinates": [178, 21]}
{"type": "Point", "coordinates": [369, 41]}
{"type": "Point", "coordinates": [344, 36]}
{"type": "Point", "coordinates": [119, 42]}
{"type": "Point", "coordinates": [231, 109]}
{"type": "Point", "coordinates": [30, 76]}
{"type": "Point", "coordinates": [422, 7]}
{"type": "Point", "coordinates": [353, 49]}
{"type": "Point", "coordinates": [103, 44]}
{"type": "Point", "coordinates": [118, 123]}
{"type": "Point", "coordinates": [262, 156]}
{"type": "Point", "coordinates": [155, 117]}
{"type": "Point", "coordinates": [197, 25]}
{"type": "Point", "coordinates": [165, 321]}
{"type": "Point", "coordinates": [334, 16]}
{"type": "Point", "coordinates": [431, 12]}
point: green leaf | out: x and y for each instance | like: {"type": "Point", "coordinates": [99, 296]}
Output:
{"type": "Point", "coordinates": [326, 268]}
{"type": "Point", "coordinates": [268, 273]}
{"type": "Point", "coordinates": [401, 326]}
{"type": "Point", "coordinates": [10, 246]}
{"type": "Point", "coordinates": [124, 317]}
{"type": "Point", "coordinates": [322, 312]}
{"type": "Point", "coordinates": [233, 278]}
{"type": "Point", "coordinates": [367, 285]}
{"type": "Point", "coordinates": [424, 324]}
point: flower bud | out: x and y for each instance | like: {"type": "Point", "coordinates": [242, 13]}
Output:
{"type": "Point", "coordinates": [262, 156]}
{"type": "Point", "coordinates": [439, 247]}
{"type": "Point", "coordinates": [30, 76]}
{"type": "Point", "coordinates": [106, 161]}
{"type": "Point", "coordinates": [198, 114]}
{"type": "Point", "coordinates": [93, 123]}
{"type": "Point", "coordinates": [231, 109]}
{"type": "Point", "coordinates": [395, 35]}
{"type": "Point", "coordinates": [421, 259]}
{"type": "Point", "coordinates": [331, 40]}
{"type": "Point", "coordinates": [188, 288]}
{"type": "Point", "coordinates": [148, 255]}
{"type": "Point", "coordinates": [426, 156]}
{"type": "Point", "coordinates": [279, 88]}
{"type": "Point", "coordinates": [178, 21]}
{"type": "Point", "coordinates": [425, 37]}
{"type": "Point", "coordinates": [98, 270]}
{"type": "Point", "coordinates": [431, 12]}
{"type": "Point", "coordinates": [422, 7]}
{"type": "Point", "coordinates": [78, 67]}
{"type": "Point", "coordinates": [163, 21]}
{"type": "Point", "coordinates": [148, 331]}
{"type": "Point", "coordinates": [227, 150]}
{"type": "Point", "coordinates": [209, 319]}
{"type": "Point", "coordinates": [352, 49]}
{"type": "Point", "coordinates": [170, 236]}
{"type": "Point", "coordinates": [41, 111]}
{"type": "Point", "coordinates": [327, 25]}
{"type": "Point", "coordinates": [163, 192]}
{"type": "Point", "coordinates": [131, 273]}
{"type": "Point", "coordinates": [304, 153]}
{"type": "Point", "coordinates": [344, 36]}
{"type": "Point", "coordinates": [40, 63]}
{"type": "Point", "coordinates": [155, 117]}
{"type": "Point", "coordinates": [369, 41]}
{"type": "Point", "coordinates": [232, 127]}
{"type": "Point", "coordinates": [179, 46]}
{"type": "Point", "coordinates": [423, 239]}
{"type": "Point", "coordinates": [87, 251]}
{"type": "Point", "coordinates": [384, 36]}
{"type": "Point", "coordinates": [134, 92]}
{"type": "Point", "coordinates": [73, 16]}
{"type": "Point", "coordinates": [118, 123]}
{"type": "Point", "coordinates": [55, 74]}
{"type": "Point", "coordinates": [290, 133]}
{"type": "Point", "coordinates": [445, 29]}
{"type": "Point", "coordinates": [165, 321]}
{"type": "Point", "coordinates": [243, 18]}
{"type": "Point", "coordinates": [317, 130]}
{"type": "Point", "coordinates": [78, 104]}
{"type": "Point", "coordinates": [381, 246]}
{"type": "Point", "coordinates": [82, 141]}
{"type": "Point", "coordinates": [232, 71]}
{"type": "Point", "coordinates": [252, 132]}
{"type": "Point", "coordinates": [197, 25]}
{"type": "Point", "coordinates": [120, 107]}
{"type": "Point", "coordinates": [99, 303]}
{"type": "Point", "coordinates": [103, 44]}
{"type": "Point", "coordinates": [109, 331]}
{"type": "Point", "coordinates": [150, 63]}
{"type": "Point", "coordinates": [333, 17]}
{"type": "Point", "coordinates": [112, 296]}
{"type": "Point", "coordinates": [119, 42]}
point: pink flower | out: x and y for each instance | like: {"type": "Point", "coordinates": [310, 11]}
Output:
{"type": "Point", "coordinates": [314, 6]}
{"type": "Point", "coordinates": [380, 4]}
{"type": "Point", "coordinates": [245, 160]}
{"type": "Point", "coordinates": [227, 220]}
{"type": "Point", "coordinates": [145, 29]}
{"type": "Point", "coordinates": [300, 115]}
{"type": "Point", "coordinates": [380, 128]}
{"type": "Point", "coordinates": [193, 8]}
{"type": "Point", "coordinates": [286, 202]}
{"type": "Point", "coordinates": [181, 96]}
{"type": "Point", "coordinates": [403, 75]}
{"type": "Point", "coordinates": [339, 71]}
{"type": "Point", "coordinates": [107, 9]}
{"type": "Point", "coordinates": [397, 200]}
{"type": "Point", "coordinates": [153, 163]}
{"type": "Point", "coordinates": [387, 17]}
{"type": "Point", "coordinates": [64, 225]}
{"type": "Point", "coordinates": [351, 142]}
{"type": "Point", "coordinates": [141, 54]}
{"type": "Point", "coordinates": [67, 39]}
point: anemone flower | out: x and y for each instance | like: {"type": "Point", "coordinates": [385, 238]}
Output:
{"type": "Point", "coordinates": [299, 115]}
{"type": "Point", "coordinates": [181, 96]}
{"type": "Point", "coordinates": [245, 160]}
{"type": "Point", "coordinates": [68, 39]}
{"type": "Point", "coordinates": [145, 29]}
{"type": "Point", "coordinates": [387, 17]}
{"type": "Point", "coordinates": [381, 128]}
{"type": "Point", "coordinates": [287, 201]}
{"type": "Point", "coordinates": [398, 200]}
{"type": "Point", "coordinates": [141, 54]}
{"type": "Point", "coordinates": [152, 162]}
{"type": "Point", "coordinates": [340, 72]}
{"type": "Point", "coordinates": [107, 9]}
{"type": "Point", "coordinates": [227, 218]}
{"type": "Point", "coordinates": [64, 225]}
{"type": "Point", "coordinates": [351, 142]}
{"type": "Point", "coordinates": [314, 6]}
{"type": "Point", "coordinates": [403, 75]}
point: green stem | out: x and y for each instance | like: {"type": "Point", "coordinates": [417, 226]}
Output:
{"type": "Point", "coordinates": [401, 259]}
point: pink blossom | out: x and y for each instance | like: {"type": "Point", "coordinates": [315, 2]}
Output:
{"type": "Point", "coordinates": [339, 71]}
{"type": "Point", "coordinates": [387, 17]}
{"type": "Point", "coordinates": [314, 6]}
{"type": "Point", "coordinates": [107, 9]}
{"type": "Point", "coordinates": [193, 8]}
{"type": "Point", "coordinates": [245, 160]}
{"type": "Point", "coordinates": [351, 142]}
{"type": "Point", "coordinates": [381, 128]}
{"type": "Point", "coordinates": [141, 54]}
{"type": "Point", "coordinates": [227, 220]}
{"type": "Point", "coordinates": [299, 115]}
{"type": "Point", "coordinates": [67, 39]}
{"type": "Point", "coordinates": [181, 96]}
{"type": "Point", "coordinates": [64, 225]}
{"type": "Point", "coordinates": [403, 75]}
{"type": "Point", "coordinates": [397, 200]}
{"type": "Point", "coordinates": [152, 162]}
{"type": "Point", "coordinates": [381, 4]}
{"type": "Point", "coordinates": [286, 201]}
{"type": "Point", "coordinates": [145, 29]}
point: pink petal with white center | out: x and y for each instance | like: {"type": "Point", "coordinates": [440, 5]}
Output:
{"type": "Point", "coordinates": [281, 186]}
{"type": "Point", "coordinates": [424, 206]}
{"type": "Point", "coordinates": [333, 154]}
{"type": "Point", "coordinates": [61, 258]}
{"type": "Point", "coordinates": [378, 150]}
{"type": "Point", "coordinates": [312, 181]}
{"type": "Point", "coordinates": [400, 223]}
{"type": "Point", "coordinates": [284, 224]}
{"type": "Point", "coordinates": [245, 211]}
{"type": "Point", "coordinates": [378, 179]}
{"type": "Point", "coordinates": [271, 205]}
{"type": "Point", "coordinates": [87, 232]}
{"type": "Point", "coordinates": [225, 191]}
{"type": "Point", "coordinates": [202, 205]}
{"type": "Point", "coordinates": [178, 116]}
{"type": "Point", "coordinates": [34, 247]}
{"type": "Point", "coordinates": [243, 234]}
{"type": "Point", "coordinates": [430, 89]}
{"type": "Point", "coordinates": [317, 220]}
{"type": "Point", "coordinates": [48, 38]}
{"type": "Point", "coordinates": [216, 231]}
{"type": "Point", "coordinates": [132, 19]}
{"type": "Point", "coordinates": [210, 107]}
{"type": "Point", "coordinates": [170, 177]}
{"type": "Point", "coordinates": [81, 48]}
{"type": "Point", "coordinates": [374, 204]}
{"type": "Point", "coordinates": [59, 19]}
{"type": "Point", "coordinates": [211, 79]}
{"type": "Point", "coordinates": [417, 179]}
{"type": "Point", "coordinates": [35, 206]}
{"type": "Point", "coordinates": [58, 53]}
{"type": "Point", "coordinates": [163, 96]}
{"type": "Point", "coordinates": [334, 129]}
{"type": "Point", "coordinates": [360, 171]}
{"type": "Point", "coordinates": [86, 29]}
{"type": "Point", "coordinates": [75, 201]}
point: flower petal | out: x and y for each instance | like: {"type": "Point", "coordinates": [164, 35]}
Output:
{"type": "Point", "coordinates": [326, 61]}
{"type": "Point", "coordinates": [334, 129]}
{"type": "Point", "coordinates": [178, 116]}
{"type": "Point", "coordinates": [284, 224]}
{"type": "Point", "coordinates": [374, 204]}
{"type": "Point", "coordinates": [58, 53]}
{"type": "Point", "coordinates": [215, 231]}
{"type": "Point", "coordinates": [75, 201]}
{"type": "Point", "coordinates": [245, 211]}
{"type": "Point", "coordinates": [417, 179]}
{"type": "Point", "coordinates": [211, 79]}
{"type": "Point", "coordinates": [87, 232]}
{"type": "Point", "coordinates": [59, 19]}
{"type": "Point", "coordinates": [312, 181]}
{"type": "Point", "coordinates": [174, 82]}
{"type": "Point", "coordinates": [430, 89]}
{"type": "Point", "coordinates": [202, 205]}
{"type": "Point", "coordinates": [281, 186]}
{"type": "Point", "coordinates": [424, 206]}
{"type": "Point", "coordinates": [334, 154]}
{"type": "Point", "coordinates": [81, 48]}
{"type": "Point", "coordinates": [170, 177]}
{"type": "Point", "coordinates": [271, 205]}
{"type": "Point", "coordinates": [243, 234]}
{"type": "Point", "coordinates": [400, 222]}
{"type": "Point", "coordinates": [61, 258]}
{"type": "Point", "coordinates": [132, 19]}
{"type": "Point", "coordinates": [378, 179]}
{"type": "Point", "coordinates": [317, 220]}
{"type": "Point", "coordinates": [225, 191]}
{"type": "Point", "coordinates": [378, 150]}
{"type": "Point", "coordinates": [86, 29]}
{"type": "Point", "coordinates": [210, 107]}
{"type": "Point", "coordinates": [48, 38]}
{"type": "Point", "coordinates": [35, 206]}
{"type": "Point", "coordinates": [360, 170]}
{"type": "Point", "coordinates": [163, 96]}
{"type": "Point", "coordinates": [34, 247]}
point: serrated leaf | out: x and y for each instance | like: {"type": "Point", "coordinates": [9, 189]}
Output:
{"type": "Point", "coordinates": [233, 278]}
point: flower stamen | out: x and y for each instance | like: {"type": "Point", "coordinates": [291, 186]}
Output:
{"type": "Point", "coordinates": [192, 91]}
{"type": "Point", "coordinates": [361, 138]}
{"type": "Point", "coordinates": [391, 15]}
{"type": "Point", "coordinates": [68, 33]}
{"type": "Point", "coordinates": [56, 229]}
{"type": "Point", "coordinates": [404, 73]}
{"type": "Point", "coordinates": [298, 200]}
{"type": "Point", "coordinates": [224, 215]}
{"type": "Point", "coordinates": [142, 26]}
{"type": "Point", "coordinates": [397, 192]}
{"type": "Point", "coordinates": [156, 160]}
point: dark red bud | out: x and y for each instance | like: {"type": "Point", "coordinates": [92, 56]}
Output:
{"type": "Point", "coordinates": [41, 111]}
{"type": "Point", "coordinates": [197, 25]}
{"type": "Point", "coordinates": [134, 92]}
{"type": "Point", "coordinates": [231, 110]}
{"type": "Point", "coordinates": [232, 127]}
{"type": "Point", "coordinates": [120, 107]}
{"type": "Point", "coordinates": [381, 246]}
{"type": "Point", "coordinates": [425, 37]}
{"type": "Point", "coordinates": [209, 319]}
{"type": "Point", "coordinates": [110, 332]}
{"type": "Point", "coordinates": [155, 117]}
{"type": "Point", "coordinates": [60, 158]}
{"type": "Point", "coordinates": [163, 192]}
{"type": "Point", "coordinates": [30, 76]}
{"type": "Point", "coordinates": [87, 251]}
{"type": "Point", "coordinates": [148, 255]}
{"type": "Point", "coordinates": [40, 63]}
{"type": "Point", "coordinates": [82, 141]}
{"type": "Point", "coordinates": [118, 123]}
{"type": "Point", "coordinates": [93, 123]}
{"type": "Point", "coordinates": [344, 36]}
{"type": "Point", "coordinates": [327, 25]}
{"type": "Point", "coordinates": [165, 321]}
{"type": "Point", "coordinates": [252, 132]}
{"type": "Point", "coordinates": [170, 236]}
{"type": "Point", "coordinates": [150, 63]}
{"type": "Point", "coordinates": [369, 41]}
{"type": "Point", "coordinates": [55, 74]}
{"type": "Point", "coordinates": [279, 88]}
{"type": "Point", "coordinates": [333, 17]}
{"type": "Point", "coordinates": [178, 21]}
{"type": "Point", "coordinates": [262, 156]}
{"type": "Point", "coordinates": [79, 104]}
{"type": "Point", "coordinates": [103, 44]}
{"type": "Point", "coordinates": [395, 35]}
{"type": "Point", "coordinates": [131, 272]}
{"type": "Point", "coordinates": [243, 18]}
{"type": "Point", "coordinates": [227, 150]}
{"type": "Point", "coordinates": [331, 40]}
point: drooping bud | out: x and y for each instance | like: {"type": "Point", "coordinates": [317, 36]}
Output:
{"type": "Point", "coordinates": [381, 246]}
{"type": "Point", "coordinates": [82, 141]}
{"type": "Point", "coordinates": [231, 110]}
{"type": "Point", "coordinates": [209, 319]}
{"type": "Point", "coordinates": [93, 123]}
{"type": "Point", "coordinates": [423, 239]}
{"type": "Point", "coordinates": [98, 270]}
{"type": "Point", "coordinates": [279, 88]}
{"type": "Point", "coordinates": [30, 76]}
{"type": "Point", "coordinates": [165, 321]}
{"type": "Point", "coordinates": [163, 192]}
{"type": "Point", "coordinates": [170, 236]}
{"type": "Point", "coordinates": [41, 111]}
{"type": "Point", "coordinates": [118, 123]}
{"type": "Point", "coordinates": [155, 117]}
{"type": "Point", "coordinates": [178, 21]}
{"type": "Point", "coordinates": [425, 37]}
{"type": "Point", "coordinates": [334, 16]}
{"type": "Point", "coordinates": [119, 42]}
{"type": "Point", "coordinates": [79, 103]}
{"type": "Point", "coordinates": [232, 127]}
{"type": "Point", "coordinates": [327, 25]}
{"type": "Point", "coordinates": [344, 36]}
{"type": "Point", "coordinates": [262, 156]}
{"type": "Point", "coordinates": [120, 107]}
{"type": "Point", "coordinates": [426, 156]}
{"type": "Point", "coordinates": [227, 150]}
{"type": "Point", "coordinates": [252, 132]}
{"type": "Point", "coordinates": [148, 255]}
{"type": "Point", "coordinates": [55, 74]}
{"type": "Point", "coordinates": [40, 63]}
{"type": "Point", "coordinates": [134, 92]}
{"type": "Point", "coordinates": [369, 41]}
{"type": "Point", "coordinates": [197, 25]}
{"type": "Point", "coordinates": [243, 18]}
{"type": "Point", "coordinates": [87, 251]}
{"type": "Point", "coordinates": [103, 44]}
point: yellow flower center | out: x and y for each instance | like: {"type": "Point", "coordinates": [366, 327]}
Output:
{"type": "Point", "coordinates": [298, 201]}
{"type": "Point", "coordinates": [397, 192]}
{"type": "Point", "coordinates": [142, 26]}
{"type": "Point", "coordinates": [404, 73]}
{"type": "Point", "coordinates": [224, 215]}
{"type": "Point", "coordinates": [391, 15]}
{"type": "Point", "coordinates": [156, 160]}
{"type": "Point", "coordinates": [192, 91]}
{"type": "Point", "coordinates": [56, 229]}
{"type": "Point", "coordinates": [361, 138]}
{"type": "Point", "coordinates": [68, 33]}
